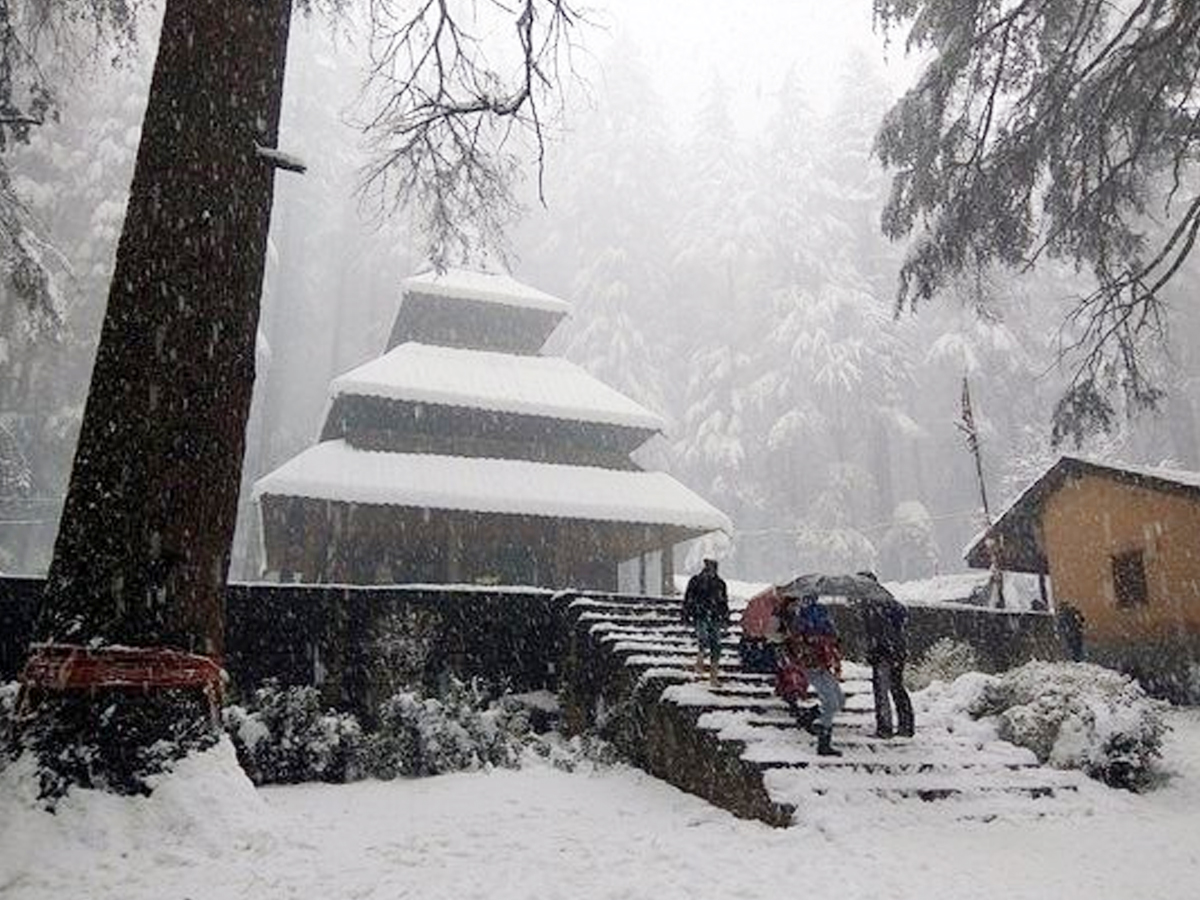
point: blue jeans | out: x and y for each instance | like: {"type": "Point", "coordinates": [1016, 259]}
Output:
{"type": "Point", "coordinates": [708, 637]}
{"type": "Point", "coordinates": [829, 692]}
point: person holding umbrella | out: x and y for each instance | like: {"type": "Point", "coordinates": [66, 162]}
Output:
{"type": "Point", "coordinates": [884, 619]}
{"type": "Point", "coordinates": [813, 643]}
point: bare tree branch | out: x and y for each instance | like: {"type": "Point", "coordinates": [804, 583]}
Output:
{"type": "Point", "coordinates": [446, 109]}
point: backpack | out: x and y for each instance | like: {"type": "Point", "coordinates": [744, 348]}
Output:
{"type": "Point", "coordinates": [757, 655]}
{"type": "Point", "coordinates": [813, 619]}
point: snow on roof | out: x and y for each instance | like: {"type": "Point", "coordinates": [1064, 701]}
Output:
{"type": "Point", "coordinates": [483, 287]}
{"type": "Point", "coordinates": [333, 470]}
{"type": "Point", "coordinates": [954, 587]}
{"type": "Point", "coordinates": [1026, 502]}
{"type": "Point", "coordinates": [1177, 476]}
{"type": "Point", "coordinates": [1066, 464]}
{"type": "Point", "coordinates": [505, 382]}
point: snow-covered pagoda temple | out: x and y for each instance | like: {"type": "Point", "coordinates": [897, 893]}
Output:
{"type": "Point", "coordinates": [463, 456]}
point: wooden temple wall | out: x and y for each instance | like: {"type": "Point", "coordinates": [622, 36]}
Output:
{"type": "Point", "coordinates": [334, 543]}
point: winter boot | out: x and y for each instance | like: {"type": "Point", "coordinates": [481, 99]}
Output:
{"type": "Point", "coordinates": [806, 716]}
{"type": "Point", "coordinates": [825, 743]}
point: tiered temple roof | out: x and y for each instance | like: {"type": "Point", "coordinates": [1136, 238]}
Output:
{"type": "Point", "coordinates": [459, 455]}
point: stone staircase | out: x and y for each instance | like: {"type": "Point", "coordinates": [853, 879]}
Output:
{"type": "Point", "coordinates": [629, 675]}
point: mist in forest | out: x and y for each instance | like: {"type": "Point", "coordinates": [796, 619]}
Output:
{"type": "Point", "coordinates": [710, 208]}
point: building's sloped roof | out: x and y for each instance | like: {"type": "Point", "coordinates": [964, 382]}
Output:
{"type": "Point", "coordinates": [483, 287]}
{"type": "Point", "coordinates": [503, 382]}
{"type": "Point", "coordinates": [1015, 530]}
{"type": "Point", "coordinates": [954, 587]}
{"type": "Point", "coordinates": [1156, 478]}
{"type": "Point", "coordinates": [333, 470]}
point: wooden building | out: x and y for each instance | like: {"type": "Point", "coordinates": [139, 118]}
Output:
{"type": "Point", "coordinates": [1120, 544]}
{"type": "Point", "coordinates": [462, 456]}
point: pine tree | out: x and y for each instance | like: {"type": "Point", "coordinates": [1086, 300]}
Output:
{"type": "Point", "coordinates": [1059, 129]}
{"type": "Point", "coordinates": [611, 191]}
{"type": "Point", "coordinates": [73, 175]}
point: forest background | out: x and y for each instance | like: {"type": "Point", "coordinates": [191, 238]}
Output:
{"type": "Point", "coordinates": [717, 232]}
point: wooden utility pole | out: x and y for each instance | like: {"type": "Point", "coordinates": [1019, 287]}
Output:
{"type": "Point", "coordinates": [967, 426]}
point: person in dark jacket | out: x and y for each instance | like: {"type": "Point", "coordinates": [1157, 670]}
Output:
{"type": "Point", "coordinates": [706, 609]}
{"type": "Point", "coordinates": [1070, 623]}
{"type": "Point", "coordinates": [884, 619]}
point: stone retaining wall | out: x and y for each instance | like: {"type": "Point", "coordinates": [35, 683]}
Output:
{"type": "Point", "coordinates": [360, 643]}
{"type": "Point", "coordinates": [357, 643]}
{"type": "Point", "coordinates": [1001, 639]}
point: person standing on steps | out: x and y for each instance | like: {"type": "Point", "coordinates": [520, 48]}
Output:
{"type": "Point", "coordinates": [814, 644]}
{"type": "Point", "coordinates": [884, 618]}
{"type": "Point", "coordinates": [706, 610]}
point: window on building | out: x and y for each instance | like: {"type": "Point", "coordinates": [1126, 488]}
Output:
{"type": "Point", "coordinates": [1129, 578]}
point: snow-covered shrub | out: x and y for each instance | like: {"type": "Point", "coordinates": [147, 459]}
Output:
{"type": "Point", "coordinates": [8, 709]}
{"type": "Point", "coordinates": [1191, 688]}
{"type": "Point", "coordinates": [1077, 716]}
{"type": "Point", "coordinates": [285, 736]}
{"type": "Point", "coordinates": [462, 729]}
{"type": "Point", "coordinates": [945, 660]}
{"type": "Point", "coordinates": [399, 646]}
{"type": "Point", "coordinates": [575, 752]}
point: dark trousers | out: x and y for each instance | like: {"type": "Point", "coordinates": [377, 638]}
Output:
{"type": "Point", "coordinates": [887, 682]}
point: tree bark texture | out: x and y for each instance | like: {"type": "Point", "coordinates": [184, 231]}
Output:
{"type": "Point", "coordinates": [144, 543]}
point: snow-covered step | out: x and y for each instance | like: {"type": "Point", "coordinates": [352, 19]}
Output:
{"type": "Point", "coordinates": [662, 642]}
{"type": "Point", "coordinates": [729, 696]}
{"type": "Point", "coordinates": [634, 623]}
{"type": "Point", "coordinates": [870, 750]}
{"type": "Point", "coordinates": [864, 746]}
{"type": "Point", "coordinates": [794, 785]}
{"type": "Point", "coordinates": [646, 657]}
{"type": "Point", "coordinates": [649, 643]}
{"type": "Point", "coordinates": [631, 620]}
{"type": "Point", "coordinates": [762, 763]}
{"type": "Point", "coordinates": [620, 601]}
{"type": "Point", "coordinates": [632, 617]}
{"type": "Point", "coordinates": [801, 752]}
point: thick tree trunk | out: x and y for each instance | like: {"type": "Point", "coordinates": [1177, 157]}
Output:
{"type": "Point", "coordinates": [144, 543]}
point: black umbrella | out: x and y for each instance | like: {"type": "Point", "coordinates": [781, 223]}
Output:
{"type": "Point", "coordinates": [852, 587]}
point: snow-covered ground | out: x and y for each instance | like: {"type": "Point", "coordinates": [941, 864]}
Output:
{"type": "Point", "coordinates": [539, 832]}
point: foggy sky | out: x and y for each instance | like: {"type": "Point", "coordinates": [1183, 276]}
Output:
{"type": "Point", "coordinates": [751, 45]}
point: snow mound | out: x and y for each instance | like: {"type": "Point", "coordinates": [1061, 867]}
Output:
{"type": "Point", "coordinates": [199, 812]}
{"type": "Point", "coordinates": [1071, 715]}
